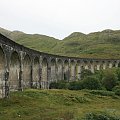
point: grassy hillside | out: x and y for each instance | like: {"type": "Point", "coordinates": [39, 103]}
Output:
{"type": "Point", "coordinates": [57, 105]}
{"type": "Point", "coordinates": [105, 44]}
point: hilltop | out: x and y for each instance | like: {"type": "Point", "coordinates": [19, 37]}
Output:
{"type": "Point", "coordinates": [103, 44]}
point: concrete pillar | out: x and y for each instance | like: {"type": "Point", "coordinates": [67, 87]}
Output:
{"type": "Point", "coordinates": [40, 70]}
{"type": "Point", "coordinates": [92, 68]}
{"type": "Point", "coordinates": [104, 65]}
{"type": "Point", "coordinates": [48, 76]}
{"type": "Point", "coordinates": [98, 66]}
{"type": "Point", "coordinates": [21, 72]}
{"type": "Point", "coordinates": [86, 67]}
{"type": "Point", "coordinates": [4, 73]}
{"type": "Point", "coordinates": [116, 64]}
{"type": "Point", "coordinates": [110, 65]}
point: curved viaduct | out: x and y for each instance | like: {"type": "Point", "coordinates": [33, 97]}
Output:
{"type": "Point", "coordinates": [21, 67]}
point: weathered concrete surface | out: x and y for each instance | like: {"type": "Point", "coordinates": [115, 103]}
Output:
{"type": "Point", "coordinates": [22, 68]}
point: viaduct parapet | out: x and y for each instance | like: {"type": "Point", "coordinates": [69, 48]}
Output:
{"type": "Point", "coordinates": [21, 67]}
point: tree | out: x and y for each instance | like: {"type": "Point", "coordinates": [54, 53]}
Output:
{"type": "Point", "coordinates": [92, 83]}
{"type": "Point", "coordinates": [109, 80]}
{"type": "Point", "coordinates": [85, 73]}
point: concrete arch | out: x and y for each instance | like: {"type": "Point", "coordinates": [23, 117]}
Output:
{"type": "Point", "coordinates": [53, 70]}
{"type": "Point", "coordinates": [85, 63]}
{"type": "Point", "coordinates": [14, 71]}
{"type": "Point", "coordinates": [66, 70]}
{"type": "Point", "coordinates": [44, 75]}
{"type": "Point", "coordinates": [107, 64]}
{"type": "Point", "coordinates": [114, 64]}
{"type": "Point", "coordinates": [27, 81]}
{"type": "Point", "coordinates": [92, 66]}
{"type": "Point", "coordinates": [97, 65]}
{"type": "Point", "coordinates": [60, 69]}
{"type": "Point", "coordinates": [104, 65]}
{"type": "Point", "coordinates": [2, 71]}
{"type": "Point", "coordinates": [110, 64]}
{"type": "Point", "coordinates": [36, 72]}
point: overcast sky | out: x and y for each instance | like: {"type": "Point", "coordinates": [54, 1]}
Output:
{"type": "Point", "coordinates": [59, 18]}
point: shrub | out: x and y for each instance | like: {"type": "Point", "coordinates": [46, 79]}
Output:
{"type": "Point", "coordinates": [59, 85]}
{"type": "Point", "coordinates": [118, 73]}
{"type": "Point", "coordinates": [53, 85]}
{"type": "Point", "coordinates": [85, 73]}
{"type": "Point", "coordinates": [109, 80]}
{"type": "Point", "coordinates": [91, 83]}
{"type": "Point", "coordinates": [117, 92]}
{"type": "Point", "coordinates": [76, 85]}
{"type": "Point", "coordinates": [100, 116]}
{"type": "Point", "coordinates": [102, 92]}
{"type": "Point", "coordinates": [116, 87]}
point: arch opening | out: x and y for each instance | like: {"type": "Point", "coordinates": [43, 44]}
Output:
{"type": "Point", "coordinates": [66, 70]}
{"type": "Point", "coordinates": [53, 70]}
{"type": "Point", "coordinates": [60, 70]}
{"type": "Point", "coordinates": [14, 72]}
{"type": "Point", "coordinates": [27, 83]}
{"type": "Point", "coordinates": [72, 70]}
{"type": "Point", "coordinates": [78, 70]}
{"type": "Point", "coordinates": [44, 76]}
{"type": "Point", "coordinates": [36, 73]}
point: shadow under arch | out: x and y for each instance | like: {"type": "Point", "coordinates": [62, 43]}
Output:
{"type": "Point", "coordinates": [66, 70]}
{"type": "Point", "coordinates": [44, 75]}
{"type": "Point", "coordinates": [60, 69]}
{"type": "Point", "coordinates": [14, 71]}
{"type": "Point", "coordinates": [72, 70]}
{"type": "Point", "coordinates": [36, 72]}
{"type": "Point", "coordinates": [27, 77]}
{"type": "Point", "coordinates": [53, 70]}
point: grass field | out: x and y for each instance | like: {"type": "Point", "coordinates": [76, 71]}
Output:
{"type": "Point", "coordinates": [57, 105]}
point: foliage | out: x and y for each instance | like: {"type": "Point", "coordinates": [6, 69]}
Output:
{"type": "Point", "coordinates": [91, 83]}
{"type": "Point", "coordinates": [59, 85]}
{"type": "Point", "coordinates": [109, 80]}
{"type": "Point", "coordinates": [85, 73]}
{"type": "Point", "coordinates": [76, 85]}
{"type": "Point", "coordinates": [118, 73]}
{"type": "Point", "coordinates": [100, 116]}
{"type": "Point", "coordinates": [117, 92]}
{"type": "Point", "coordinates": [102, 93]}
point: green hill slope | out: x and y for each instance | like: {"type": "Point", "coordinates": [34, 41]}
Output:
{"type": "Point", "coordinates": [105, 44]}
{"type": "Point", "coordinates": [57, 105]}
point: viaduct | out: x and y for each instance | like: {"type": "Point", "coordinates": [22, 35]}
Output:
{"type": "Point", "coordinates": [22, 67]}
